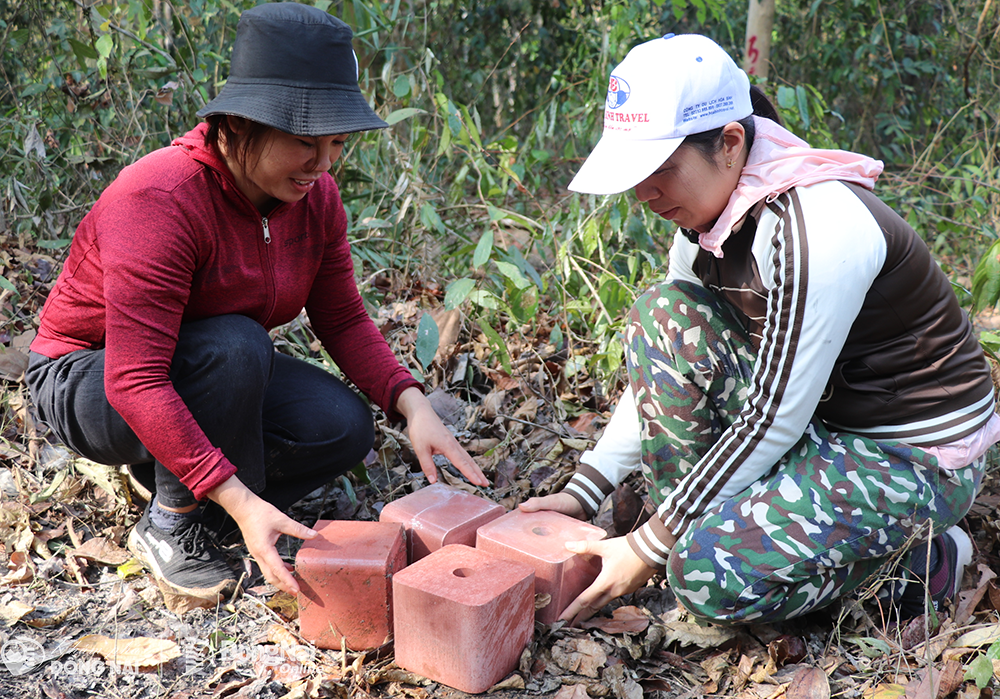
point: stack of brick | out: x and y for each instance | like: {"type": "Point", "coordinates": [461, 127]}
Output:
{"type": "Point", "coordinates": [464, 608]}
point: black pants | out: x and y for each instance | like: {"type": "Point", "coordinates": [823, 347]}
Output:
{"type": "Point", "coordinates": [287, 426]}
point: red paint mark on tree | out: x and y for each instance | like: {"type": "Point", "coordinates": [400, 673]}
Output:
{"type": "Point", "coordinates": [753, 54]}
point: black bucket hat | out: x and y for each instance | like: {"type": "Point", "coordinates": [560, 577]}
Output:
{"type": "Point", "coordinates": [293, 68]}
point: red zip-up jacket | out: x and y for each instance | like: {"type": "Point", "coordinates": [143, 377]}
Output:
{"type": "Point", "coordinates": [173, 240]}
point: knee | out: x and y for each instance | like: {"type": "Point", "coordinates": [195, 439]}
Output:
{"type": "Point", "coordinates": [233, 348]}
{"type": "Point", "coordinates": [360, 424]}
{"type": "Point", "coordinates": [699, 579]}
{"type": "Point", "coordinates": [336, 416]}
{"type": "Point", "coordinates": [656, 311]}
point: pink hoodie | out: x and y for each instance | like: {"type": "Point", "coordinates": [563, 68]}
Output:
{"type": "Point", "coordinates": [780, 160]}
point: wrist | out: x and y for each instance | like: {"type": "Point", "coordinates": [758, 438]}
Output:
{"type": "Point", "coordinates": [410, 401]}
{"type": "Point", "coordinates": [232, 495]}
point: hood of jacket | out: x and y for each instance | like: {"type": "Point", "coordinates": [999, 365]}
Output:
{"type": "Point", "coordinates": [778, 161]}
{"type": "Point", "coordinates": [193, 143]}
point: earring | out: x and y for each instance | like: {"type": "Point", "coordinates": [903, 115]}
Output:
{"type": "Point", "coordinates": [730, 164]}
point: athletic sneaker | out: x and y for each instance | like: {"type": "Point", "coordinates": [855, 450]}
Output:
{"type": "Point", "coordinates": [953, 551]}
{"type": "Point", "coordinates": [185, 559]}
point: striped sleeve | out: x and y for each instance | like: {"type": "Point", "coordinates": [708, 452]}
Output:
{"type": "Point", "coordinates": [616, 454]}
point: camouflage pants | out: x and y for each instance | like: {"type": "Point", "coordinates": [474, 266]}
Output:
{"type": "Point", "coordinates": [819, 524]}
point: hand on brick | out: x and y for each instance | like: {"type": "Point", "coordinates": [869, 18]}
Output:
{"type": "Point", "coordinates": [559, 502]}
{"type": "Point", "coordinates": [622, 571]}
{"type": "Point", "coordinates": [261, 524]}
{"type": "Point", "coordinates": [429, 436]}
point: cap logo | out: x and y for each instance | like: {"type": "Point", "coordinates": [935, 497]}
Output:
{"type": "Point", "coordinates": [618, 92]}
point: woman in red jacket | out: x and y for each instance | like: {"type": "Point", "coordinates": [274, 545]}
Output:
{"type": "Point", "coordinates": [154, 342]}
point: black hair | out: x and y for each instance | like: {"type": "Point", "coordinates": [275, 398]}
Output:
{"type": "Point", "coordinates": [242, 145]}
{"type": "Point", "coordinates": [709, 143]}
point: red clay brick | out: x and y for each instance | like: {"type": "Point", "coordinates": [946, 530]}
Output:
{"type": "Point", "coordinates": [439, 515]}
{"type": "Point", "coordinates": [538, 539]}
{"type": "Point", "coordinates": [463, 616]}
{"type": "Point", "coordinates": [345, 582]}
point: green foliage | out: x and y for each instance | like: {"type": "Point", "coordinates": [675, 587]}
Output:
{"type": "Point", "coordinates": [980, 670]}
{"type": "Point", "coordinates": [493, 106]}
{"type": "Point", "coordinates": [428, 339]}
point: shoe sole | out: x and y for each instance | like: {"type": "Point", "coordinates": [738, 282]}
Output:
{"type": "Point", "coordinates": [141, 492]}
{"type": "Point", "coordinates": [963, 549]}
{"type": "Point", "coordinates": [210, 594]}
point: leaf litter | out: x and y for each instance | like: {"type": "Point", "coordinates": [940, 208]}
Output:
{"type": "Point", "coordinates": [88, 620]}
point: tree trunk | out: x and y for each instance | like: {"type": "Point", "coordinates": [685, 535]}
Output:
{"type": "Point", "coordinates": [757, 52]}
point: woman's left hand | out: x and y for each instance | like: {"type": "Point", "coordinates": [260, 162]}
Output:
{"type": "Point", "coordinates": [622, 571]}
{"type": "Point", "coordinates": [429, 436]}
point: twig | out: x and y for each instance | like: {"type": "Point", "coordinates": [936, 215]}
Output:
{"type": "Point", "coordinates": [71, 561]}
{"type": "Point", "coordinates": [148, 45]}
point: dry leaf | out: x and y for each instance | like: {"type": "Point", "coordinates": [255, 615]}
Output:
{"type": "Point", "coordinates": [180, 604]}
{"type": "Point", "coordinates": [743, 670]}
{"type": "Point", "coordinates": [580, 655]}
{"type": "Point", "coordinates": [528, 410]}
{"type": "Point", "coordinates": [969, 599]}
{"type": "Point", "coordinates": [515, 681]}
{"type": "Point", "coordinates": [480, 446]}
{"type": "Point", "coordinates": [450, 409]}
{"type": "Point", "coordinates": [54, 620]}
{"type": "Point", "coordinates": [286, 605]}
{"type": "Point", "coordinates": [101, 551]}
{"type": "Point", "coordinates": [628, 510]}
{"type": "Point", "coordinates": [716, 667]}
{"type": "Point", "coordinates": [886, 691]}
{"type": "Point", "coordinates": [393, 673]}
{"type": "Point", "coordinates": [936, 683]}
{"type": "Point", "coordinates": [629, 619]}
{"type": "Point", "coordinates": [809, 683]}
{"type": "Point", "coordinates": [12, 364]}
{"type": "Point", "coordinates": [787, 649]}
{"type": "Point", "coordinates": [691, 634]}
{"type": "Point", "coordinates": [979, 637]}
{"type": "Point", "coordinates": [493, 403]}
{"type": "Point", "coordinates": [449, 327]}
{"type": "Point", "coordinates": [281, 636]}
{"type": "Point", "coordinates": [14, 612]}
{"type": "Point", "coordinates": [584, 423]}
{"type": "Point", "coordinates": [572, 691]}
{"type": "Point", "coordinates": [994, 594]}
{"type": "Point", "coordinates": [130, 652]}
{"type": "Point", "coordinates": [22, 570]}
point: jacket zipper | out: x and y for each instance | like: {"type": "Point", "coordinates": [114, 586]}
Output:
{"type": "Point", "coordinates": [267, 231]}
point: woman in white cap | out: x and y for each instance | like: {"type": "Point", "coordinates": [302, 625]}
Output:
{"type": "Point", "coordinates": [154, 344]}
{"type": "Point", "coordinates": [806, 397]}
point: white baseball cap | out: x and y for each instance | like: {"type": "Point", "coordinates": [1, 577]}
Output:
{"type": "Point", "coordinates": [665, 90]}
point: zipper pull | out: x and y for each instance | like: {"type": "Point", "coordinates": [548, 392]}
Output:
{"type": "Point", "coordinates": [267, 231]}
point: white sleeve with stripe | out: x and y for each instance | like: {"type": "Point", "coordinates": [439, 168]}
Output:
{"type": "Point", "coordinates": [617, 453]}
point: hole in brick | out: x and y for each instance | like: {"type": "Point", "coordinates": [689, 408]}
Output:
{"type": "Point", "coordinates": [462, 572]}
{"type": "Point", "coordinates": [540, 531]}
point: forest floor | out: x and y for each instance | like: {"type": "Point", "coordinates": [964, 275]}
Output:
{"type": "Point", "coordinates": [79, 617]}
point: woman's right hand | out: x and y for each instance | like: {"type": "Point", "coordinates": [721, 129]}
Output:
{"type": "Point", "coordinates": [559, 502]}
